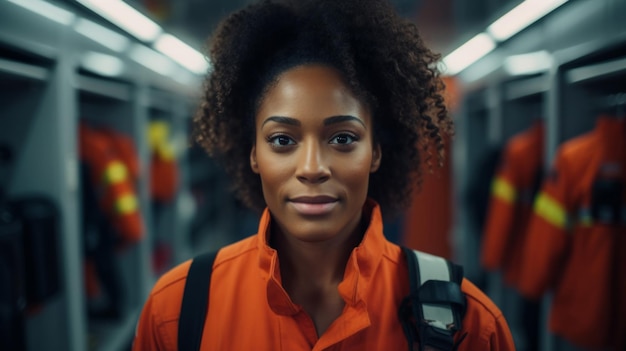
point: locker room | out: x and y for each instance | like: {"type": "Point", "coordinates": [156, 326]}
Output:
{"type": "Point", "coordinates": [104, 187]}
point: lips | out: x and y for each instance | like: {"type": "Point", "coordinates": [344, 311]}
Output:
{"type": "Point", "coordinates": [313, 205]}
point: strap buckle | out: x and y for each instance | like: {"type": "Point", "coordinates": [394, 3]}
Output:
{"type": "Point", "coordinates": [436, 336]}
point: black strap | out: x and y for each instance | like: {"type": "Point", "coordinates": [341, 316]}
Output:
{"type": "Point", "coordinates": [195, 304]}
{"type": "Point", "coordinates": [441, 292]}
{"type": "Point", "coordinates": [433, 292]}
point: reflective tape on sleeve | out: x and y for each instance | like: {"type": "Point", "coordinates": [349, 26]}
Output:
{"type": "Point", "coordinates": [115, 172]}
{"type": "Point", "coordinates": [434, 268]}
{"type": "Point", "coordinates": [126, 204]}
{"type": "Point", "coordinates": [551, 210]}
{"type": "Point", "coordinates": [504, 190]}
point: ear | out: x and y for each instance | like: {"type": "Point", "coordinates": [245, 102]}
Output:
{"type": "Point", "coordinates": [376, 157]}
{"type": "Point", "coordinates": [253, 164]}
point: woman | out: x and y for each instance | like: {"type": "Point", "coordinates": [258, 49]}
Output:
{"type": "Point", "coordinates": [322, 112]}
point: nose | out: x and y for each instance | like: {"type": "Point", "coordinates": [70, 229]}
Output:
{"type": "Point", "coordinates": [312, 163]}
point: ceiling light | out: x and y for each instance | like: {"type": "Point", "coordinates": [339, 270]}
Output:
{"type": "Point", "coordinates": [102, 35]}
{"type": "Point", "coordinates": [125, 17]}
{"type": "Point", "coordinates": [185, 77]}
{"type": "Point", "coordinates": [102, 64]}
{"type": "Point", "coordinates": [48, 10]}
{"type": "Point", "coordinates": [152, 60]}
{"type": "Point", "coordinates": [468, 53]}
{"type": "Point", "coordinates": [521, 17]}
{"type": "Point", "coordinates": [530, 63]}
{"type": "Point", "coordinates": [182, 53]}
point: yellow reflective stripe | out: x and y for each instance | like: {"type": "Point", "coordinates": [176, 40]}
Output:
{"type": "Point", "coordinates": [158, 132]}
{"type": "Point", "coordinates": [166, 151]}
{"type": "Point", "coordinates": [115, 172]}
{"type": "Point", "coordinates": [504, 190]}
{"type": "Point", "coordinates": [126, 204]}
{"type": "Point", "coordinates": [551, 210]}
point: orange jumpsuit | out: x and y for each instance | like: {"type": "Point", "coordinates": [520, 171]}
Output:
{"type": "Point", "coordinates": [581, 258]}
{"type": "Point", "coordinates": [114, 183]}
{"type": "Point", "coordinates": [250, 310]}
{"type": "Point", "coordinates": [164, 173]}
{"type": "Point", "coordinates": [511, 202]}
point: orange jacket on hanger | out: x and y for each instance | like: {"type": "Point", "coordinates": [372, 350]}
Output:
{"type": "Point", "coordinates": [513, 191]}
{"type": "Point", "coordinates": [109, 174]}
{"type": "Point", "coordinates": [250, 310]}
{"type": "Point", "coordinates": [431, 212]}
{"type": "Point", "coordinates": [124, 148]}
{"type": "Point", "coordinates": [163, 167]}
{"type": "Point", "coordinates": [576, 247]}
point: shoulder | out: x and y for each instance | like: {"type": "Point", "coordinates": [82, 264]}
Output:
{"type": "Point", "coordinates": [517, 144]}
{"type": "Point", "coordinates": [479, 301]}
{"type": "Point", "coordinates": [157, 328]}
{"type": "Point", "coordinates": [166, 295]}
{"type": "Point", "coordinates": [571, 161]}
{"type": "Point", "coordinates": [484, 324]}
{"type": "Point", "coordinates": [577, 147]}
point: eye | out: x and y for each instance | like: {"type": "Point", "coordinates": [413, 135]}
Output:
{"type": "Point", "coordinates": [344, 139]}
{"type": "Point", "coordinates": [280, 140]}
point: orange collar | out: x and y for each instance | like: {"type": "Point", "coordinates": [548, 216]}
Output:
{"type": "Point", "coordinates": [358, 273]}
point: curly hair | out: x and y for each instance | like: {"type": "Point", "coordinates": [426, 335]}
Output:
{"type": "Point", "coordinates": [382, 58]}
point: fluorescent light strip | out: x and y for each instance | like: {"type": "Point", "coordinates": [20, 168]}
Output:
{"type": "Point", "coordinates": [102, 64]}
{"type": "Point", "coordinates": [102, 35]}
{"type": "Point", "coordinates": [152, 60]}
{"type": "Point", "coordinates": [525, 14]}
{"type": "Point", "coordinates": [468, 53]}
{"type": "Point", "coordinates": [521, 17]}
{"type": "Point", "coordinates": [530, 63]}
{"type": "Point", "coordinates": [47, 10]}
{"type": "Point", "coordinates": [182, 53]}
{"type": "Point", "coordinates": [126, 17]}
{"type": "Point", "coordinates": [185, 77]}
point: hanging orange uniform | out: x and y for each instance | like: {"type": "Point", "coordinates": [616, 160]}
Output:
{"type": "Point", "coordinates": [163, 167]}
{"type": "Point", "coordinates": [111, 177]}
{"type": "Point", "coordinates": [124, 148]}
{"type": "Point", "coordinates": [427, 223]}
{"type": "Point", "coordinates": [576, 241]}
{"type": "Point", "coordinates": [510, 207]}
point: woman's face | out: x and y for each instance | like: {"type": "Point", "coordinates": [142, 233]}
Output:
{"type": "Point", "coordinates": [314, 153]}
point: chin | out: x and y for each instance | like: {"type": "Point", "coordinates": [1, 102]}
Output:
{"type": "Point", "coordinates": [312, 231]}
{"type": "Point", "coordinates": [316, 229]}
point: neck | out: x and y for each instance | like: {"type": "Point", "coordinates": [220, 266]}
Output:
{"type": "Point", "coordinates": [314, 265]}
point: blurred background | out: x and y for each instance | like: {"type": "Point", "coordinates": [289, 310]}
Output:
{"type": "Point", "coordinates": [102, 189]}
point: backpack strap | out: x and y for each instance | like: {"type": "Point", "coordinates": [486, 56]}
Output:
{"type": "Point", "coordinates": [195, 302]}
{"type": "Point", "coordinates": [434, 309]}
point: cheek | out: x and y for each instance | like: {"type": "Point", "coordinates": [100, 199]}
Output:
{"type": "Point", "coordinates": [355, 170]}
{"type": "Point", "coordinates": [272, 170]}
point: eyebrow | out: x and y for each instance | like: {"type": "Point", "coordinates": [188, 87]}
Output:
{"type": "Point", "coordinates": [283, 120]}
{"type": "Point", "coordinates": [328, 121]}
{"type": "Point", "coordinates": [340, 119]}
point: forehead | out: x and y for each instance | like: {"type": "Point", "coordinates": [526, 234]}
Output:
{"type": "Point", "coordinates": [311, 90]}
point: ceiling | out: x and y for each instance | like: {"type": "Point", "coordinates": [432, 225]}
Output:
{"type": "Point", "coordinates": [444, 24]}
{"type": "Point", "coordinates": [438, 20]}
